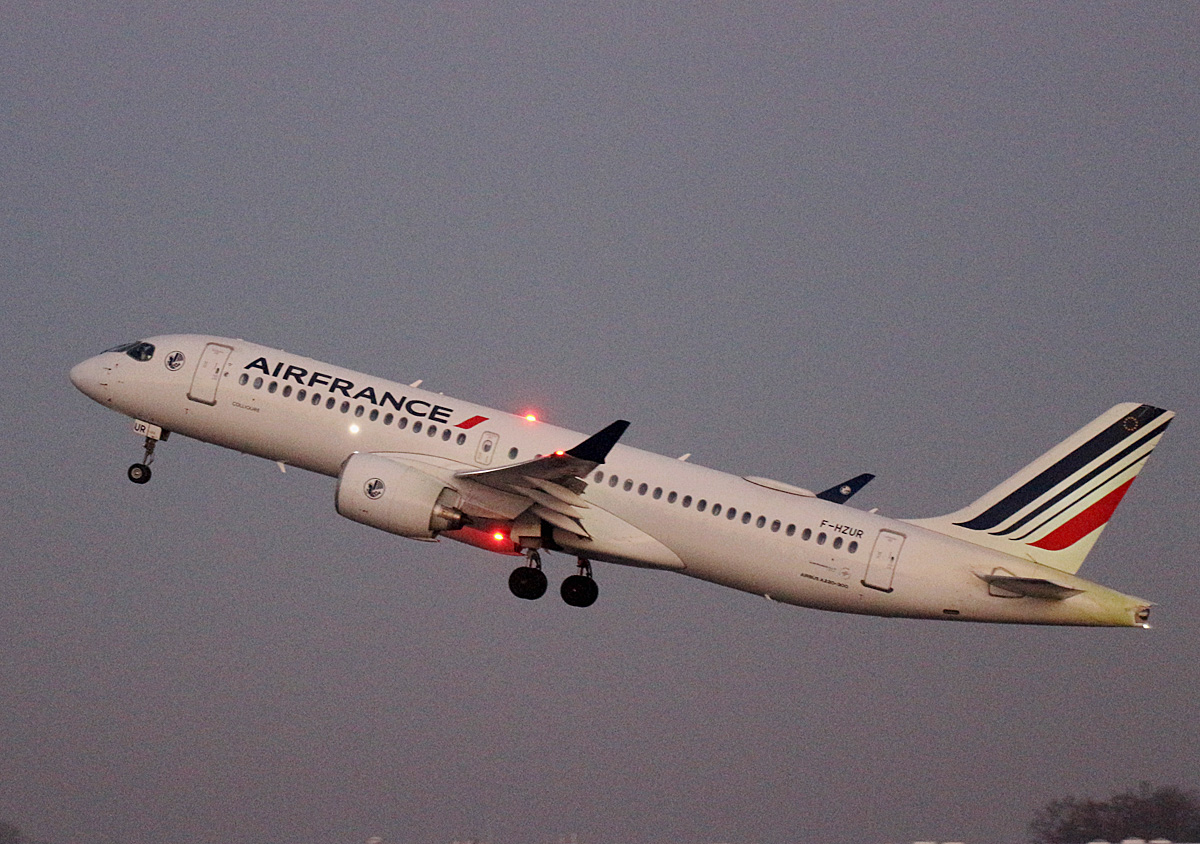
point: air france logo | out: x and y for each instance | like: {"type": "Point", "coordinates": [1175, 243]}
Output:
{"type": "Point", "coordinates": [374, 488]}
{"type": "Point", "coordinates": [401, 403]}
{"type": "Point", "coordinates": [174, 361]}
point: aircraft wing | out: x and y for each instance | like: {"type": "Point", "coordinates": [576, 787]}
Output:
{"type": "Point", "coordinates": [553, 482]}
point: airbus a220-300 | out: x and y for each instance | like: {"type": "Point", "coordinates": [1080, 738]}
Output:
{"type": "Point", "coordinates": [424, 466]}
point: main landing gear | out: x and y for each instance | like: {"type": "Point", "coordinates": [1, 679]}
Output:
{"type": "Point", "coordinates": [579, 590]}
{"type": "Point", "coordinates": [529, 582]}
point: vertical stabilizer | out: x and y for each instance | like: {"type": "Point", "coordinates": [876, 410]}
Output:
{"type": "Point", "coordinates": [1053, 510]}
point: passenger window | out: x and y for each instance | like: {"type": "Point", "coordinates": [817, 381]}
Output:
{"type": "Point", "coordinates": [301, 395]}
{"type": "Point", "coordinates": [837, 542]}
{"type": "Point", "coordinates": [657, 493]}
{"type": "Point", "coordinates": [244, 380]}
{"type": "Point", "coordinates": [852, 547]}
{"type": "Point", "coordinates": [258, 383]}
{"type": "Point", "coordinates": [316, 399]}
{"type": "Point", "coordinates": [820, 539]}
{"type": "Point", "coordinates": [287, 390]}
{"type": "Point", "coordinates": [462, 438]}
{"type": "Point", "coordinates": [613, 480]}
{"type": "Point", "coordinates": [417, 426]}
{"type": "Point", "coordinates": [775, 526]}
{"type": "Point", "coordinates": [642, 489]}
{"type": "Point", "coordinates": [731, 513]}
{"type": "Point", "coordinates": [403, 423]}
{"type": "Point", "coordinates": [671, 496]}
{"type": "Point", "coordinates": [272, 387]}
{"type": "Point", "coordinates": [701, 505]}
{"type": "Point", "coordinates": [791, 531]}
{"type": "Point", "coordinates": [762, 521]}
{"type": "Point", "coordinates": [807, 535]}
{"type": "Point", "coordinates": [716, 510]}
{"type": "Point", "coordinates": [330, 402]}
{"type": "Point", "coordinates": [374, 414]}
{"type": "Point", "coordinates": [628, 485]}
{"type": "Point", "coordinates": [432, 431]}
{"type": "Point", "coordinates": [387, 418]}
{"type": "Point", "coordinates": [359, 411]}
{"type": "Point", "coordinates": [446, 434]}
{"type": "Point", "coordinates": [512, 454]}
{"type": "Point", "coordinates": [345, 407]}
{"type": "Point", "coordinates": [599, 477]}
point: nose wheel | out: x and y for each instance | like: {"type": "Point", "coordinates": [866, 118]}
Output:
{"type": "Point", "coordinates": [139, 473]}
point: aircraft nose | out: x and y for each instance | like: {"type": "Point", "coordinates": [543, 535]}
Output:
{"type": "Point", "coordinates": [88, 378]}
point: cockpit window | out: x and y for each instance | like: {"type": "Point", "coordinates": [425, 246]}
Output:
{"type": "Point", "coordinates": [136, 350]}
{"type": "Point", "coordinates": [141, 351]}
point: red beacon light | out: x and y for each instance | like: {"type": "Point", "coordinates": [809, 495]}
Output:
{"type": "Point", "coordinates": [531, 417]}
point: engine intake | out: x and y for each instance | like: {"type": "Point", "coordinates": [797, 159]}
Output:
{"type": "Point", "coordinates": [394, 496]}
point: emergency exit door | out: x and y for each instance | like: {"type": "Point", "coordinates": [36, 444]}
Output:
{"type": "Point", "coordinates": [882, 565]}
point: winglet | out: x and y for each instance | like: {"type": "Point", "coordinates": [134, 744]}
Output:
{"type": "Point", "coordinates": [596, 447]}
{"type": "Point", "coordinates": [840, 493]}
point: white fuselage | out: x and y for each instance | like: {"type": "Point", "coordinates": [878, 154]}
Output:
{"type": "Point", "coordinates": [790, 547]}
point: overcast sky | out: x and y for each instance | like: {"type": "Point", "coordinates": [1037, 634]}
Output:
{"type": "Point", "coordinates": [802, 240]}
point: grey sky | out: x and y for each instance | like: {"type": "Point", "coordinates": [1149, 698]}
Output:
{"type": "Point", "coordinates": [797, 240]}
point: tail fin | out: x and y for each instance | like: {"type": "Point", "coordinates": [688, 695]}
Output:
{"type": "Point", "coordinates": [1053, 510]}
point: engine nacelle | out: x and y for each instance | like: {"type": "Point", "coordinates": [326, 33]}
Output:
{"type": "Point", "coordinates": [396, 497]}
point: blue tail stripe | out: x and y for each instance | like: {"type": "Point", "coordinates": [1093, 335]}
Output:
{"type": "Point", "coordinates": [1100, 444]}
{"type": "Point", "coordinates": [1103, 467]}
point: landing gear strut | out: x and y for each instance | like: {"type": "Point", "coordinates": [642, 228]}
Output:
{"type": "Point", "coordinates": [579, 590]}
{"type": "Point", "coordinates": [529, 581]}
{"type": "Point", "coordinates": [139, 473]}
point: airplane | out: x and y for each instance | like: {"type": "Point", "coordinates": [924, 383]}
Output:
{"type": "Point", "coordinates": [425, 466]}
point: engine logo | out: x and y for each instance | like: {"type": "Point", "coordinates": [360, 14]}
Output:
{"type": "Point", "coordinates": [174, 361]}
{"type": "Point", "coordinates": [374, 488]}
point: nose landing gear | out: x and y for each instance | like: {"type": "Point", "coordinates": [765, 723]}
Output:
{"type": "Point", "coordinates": [139, 473]}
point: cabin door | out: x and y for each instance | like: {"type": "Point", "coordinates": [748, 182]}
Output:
{"type": "Point", "coordinates": [208, 373]}
{"type": "Point", "coordinates": [882, 565]}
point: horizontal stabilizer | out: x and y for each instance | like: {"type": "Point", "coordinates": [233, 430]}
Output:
{"type": "Point", "coordinates": [841, 493]}
{"type": "Point", "coordinates": [1029, 587]}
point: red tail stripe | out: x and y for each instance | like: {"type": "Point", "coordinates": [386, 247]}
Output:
{"type": "Point", "coordinates": [1077, 528]}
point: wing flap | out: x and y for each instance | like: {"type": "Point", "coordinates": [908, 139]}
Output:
{"type": "Point", "coordinates": [559, 520]}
